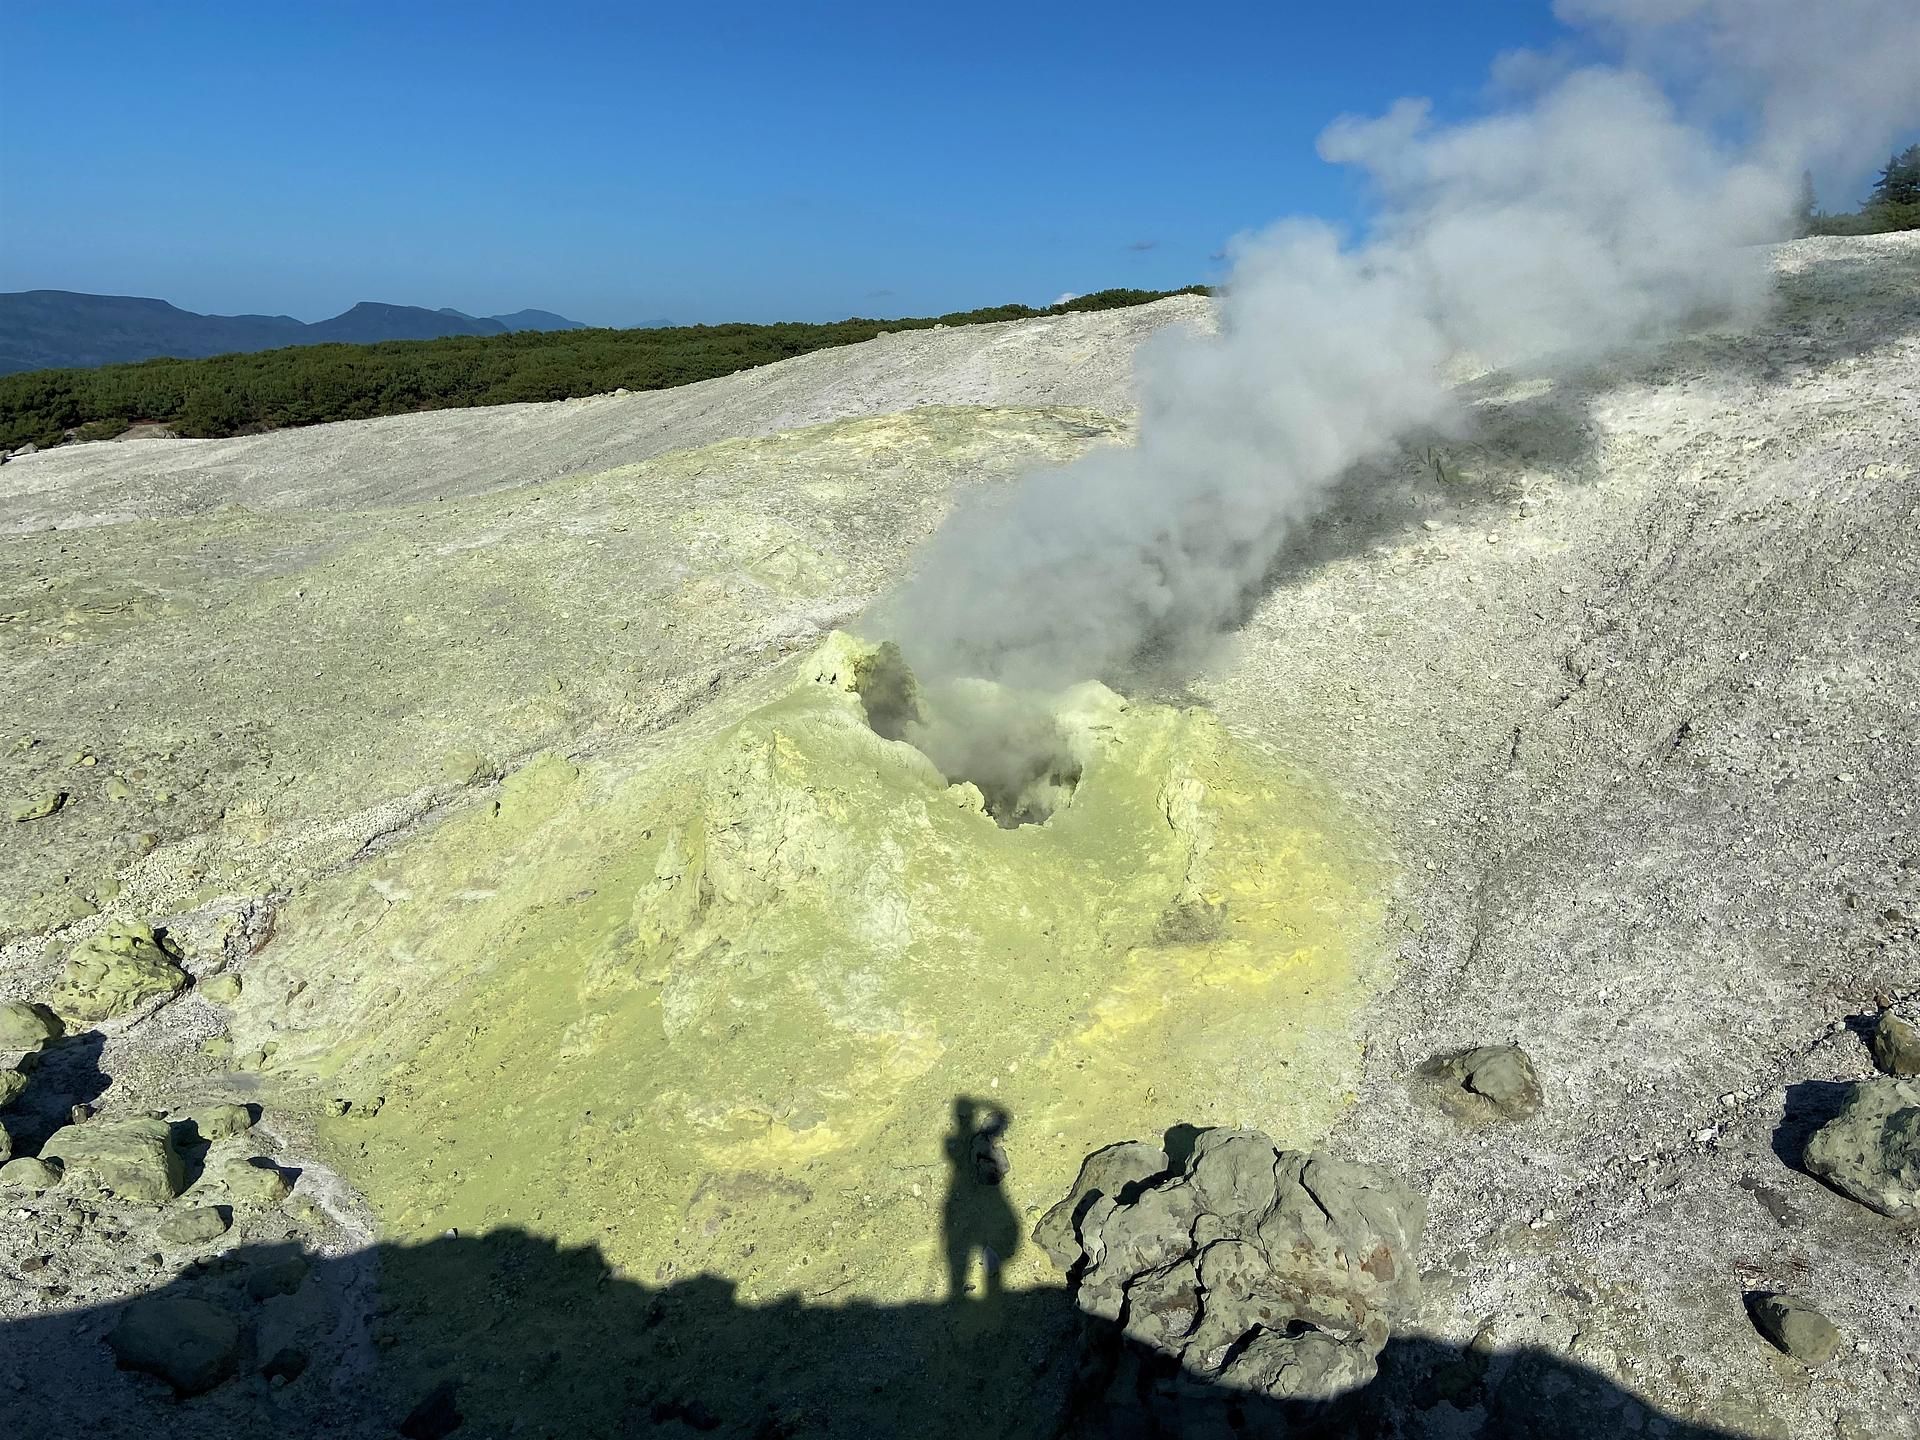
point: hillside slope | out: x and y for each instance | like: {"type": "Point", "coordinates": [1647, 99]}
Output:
{"type": "Point", "coordinates": [610, 980]}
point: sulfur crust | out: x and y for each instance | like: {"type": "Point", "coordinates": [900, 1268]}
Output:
{"type": "Point", "coordinates": [765, 968]}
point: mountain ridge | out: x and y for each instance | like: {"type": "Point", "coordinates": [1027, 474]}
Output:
{"type": "Point", "coordinates": [66, 329]}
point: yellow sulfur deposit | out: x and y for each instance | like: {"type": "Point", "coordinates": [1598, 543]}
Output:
{"type": "Point", "coordinates": [711, 1012]}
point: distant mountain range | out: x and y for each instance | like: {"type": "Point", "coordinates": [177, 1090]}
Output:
{"type": "Point", "coordinates": [43, 329]}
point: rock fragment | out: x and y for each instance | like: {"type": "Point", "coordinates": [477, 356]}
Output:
{"type": "Point", "coordinates": [12, 1083]}
{"type": "Point", "coordinates": [1896, 1045]}
{"type": "Point", "coordinates": [1870, 1151]}
{"type": "Point", "coordinates": [115, 973]}
{"type": "Point", "coordinates": [435, 1417]}
{"type": "Point", "coordinates": [1490, 1082]}
{"type": "Point", "coordinates": [220, 989]}
{"type": "Point", "coordinates": [1796, 1328]}
{"type": "Point", "coordinates": [39, 806]}
{"type": "Point", "coordinates": [285, 1365]}
{"type": "Point", "coordinates": [244, 1181]}
{"type": "Point", "coordinates": [26, 1027]}
{"type": "Point", "coordinates": [27, 1173]}
{"type": "Point", "coordinates": [131, 1159]}
{"type": "Point", "coordinates": [193, 1225]}
{"type": "Point", "coordinates": [217, 1122]}
{"type": "Point", "coordinates": [190, 1344]}
{"type": "Point", "coordinates": [277, 1277]}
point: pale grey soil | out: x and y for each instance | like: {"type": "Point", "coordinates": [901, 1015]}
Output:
{"type": "Point", "coordinates": [1629, 685]}
{"type": "Point", "coordinates": [1076, 361]}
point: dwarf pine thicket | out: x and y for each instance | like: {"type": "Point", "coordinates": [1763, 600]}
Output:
{"type": "Point", "coordinates": [310, 384]}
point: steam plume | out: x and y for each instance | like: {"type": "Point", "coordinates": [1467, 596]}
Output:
{"type": "Point", "coordinates": [1587, 219]}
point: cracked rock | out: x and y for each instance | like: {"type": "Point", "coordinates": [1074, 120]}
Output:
{"type": "Point", "coordinates": [1250, 1271]}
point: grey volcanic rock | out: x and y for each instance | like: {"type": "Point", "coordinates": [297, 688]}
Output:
{"type": "Point", "coordinates": [1253, 1271]}
{"type": "Point", "coordinates": [1492, 1082]}
{"type": "Point", "coordinates": [217, 1122]}
{"type": "Point", "coordinates": [1104, 1173]}
{"type": "Point", "coordinates": [1796, 1328]}
{"type": "Point", "coordinates": [1896, 1044]}
{"type": "Point", "coordinates": [191, 1344]}
{"type": "Point", "coordinates": [1871, 1149]}
{"type": "Point", "coordinates": [243, 1180]}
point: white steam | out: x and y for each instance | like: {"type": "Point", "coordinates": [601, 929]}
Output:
{"type": "Point", "coordinates": [1590, 218]}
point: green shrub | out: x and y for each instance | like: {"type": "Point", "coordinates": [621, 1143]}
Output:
{"type": "Point", "coordinates": [310, 384]}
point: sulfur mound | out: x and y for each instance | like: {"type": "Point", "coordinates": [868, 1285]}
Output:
{"type": "Point", "coordinates": [739, 985]}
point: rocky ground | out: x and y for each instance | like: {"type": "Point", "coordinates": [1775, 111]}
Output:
{"type": "Point", "coordinates": [530, 984]}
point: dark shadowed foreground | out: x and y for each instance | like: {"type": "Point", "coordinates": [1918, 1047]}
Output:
{"type": "Point", "coordinates": [507, 1334]}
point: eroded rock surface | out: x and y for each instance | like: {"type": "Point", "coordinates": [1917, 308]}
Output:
{"type": "Point", "coordinates": [115, 973]}
{"type": "Point", "coordinates": [1247, 1271]}
{"type": "Point", "coordinates": [1489, 1082]}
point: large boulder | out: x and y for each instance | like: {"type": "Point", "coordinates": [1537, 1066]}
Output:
{"type": "Point", "coordinates": [133, 1159]}
{"type": "Point", "coordinates": [1248, 1275]}
{"type": "Point", "coordinates": [12, 1083]}
{"type": "Point", "coordinates": [24, 1026]}
{"type": "Point", "coordinates": [1871, 1149]}
{"type": "Point", "coordinates": [113, 974]}
{"type": "Point", "coordinates": [190, 1344]}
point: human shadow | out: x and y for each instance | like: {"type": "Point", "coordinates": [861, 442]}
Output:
{"type": "Point", "coordinates": [976, 1216]}
{"type": "Point", "coordinates": [510, 1334]}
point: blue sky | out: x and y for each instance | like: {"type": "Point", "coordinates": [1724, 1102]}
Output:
{"type": "Point", "coordinates": [630, 163]}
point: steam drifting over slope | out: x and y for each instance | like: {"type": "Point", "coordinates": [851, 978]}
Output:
{"type": "Point", "coordinates": [1586, 219]}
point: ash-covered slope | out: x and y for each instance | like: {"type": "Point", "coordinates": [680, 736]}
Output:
{"type": "Point", "coordinates": [1605, 709]}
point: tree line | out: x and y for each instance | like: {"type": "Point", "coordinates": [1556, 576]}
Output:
{"type": "Point", "coordinates": [311, 384]}
{"type": "Point", "coordinates": [1893, 204]}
